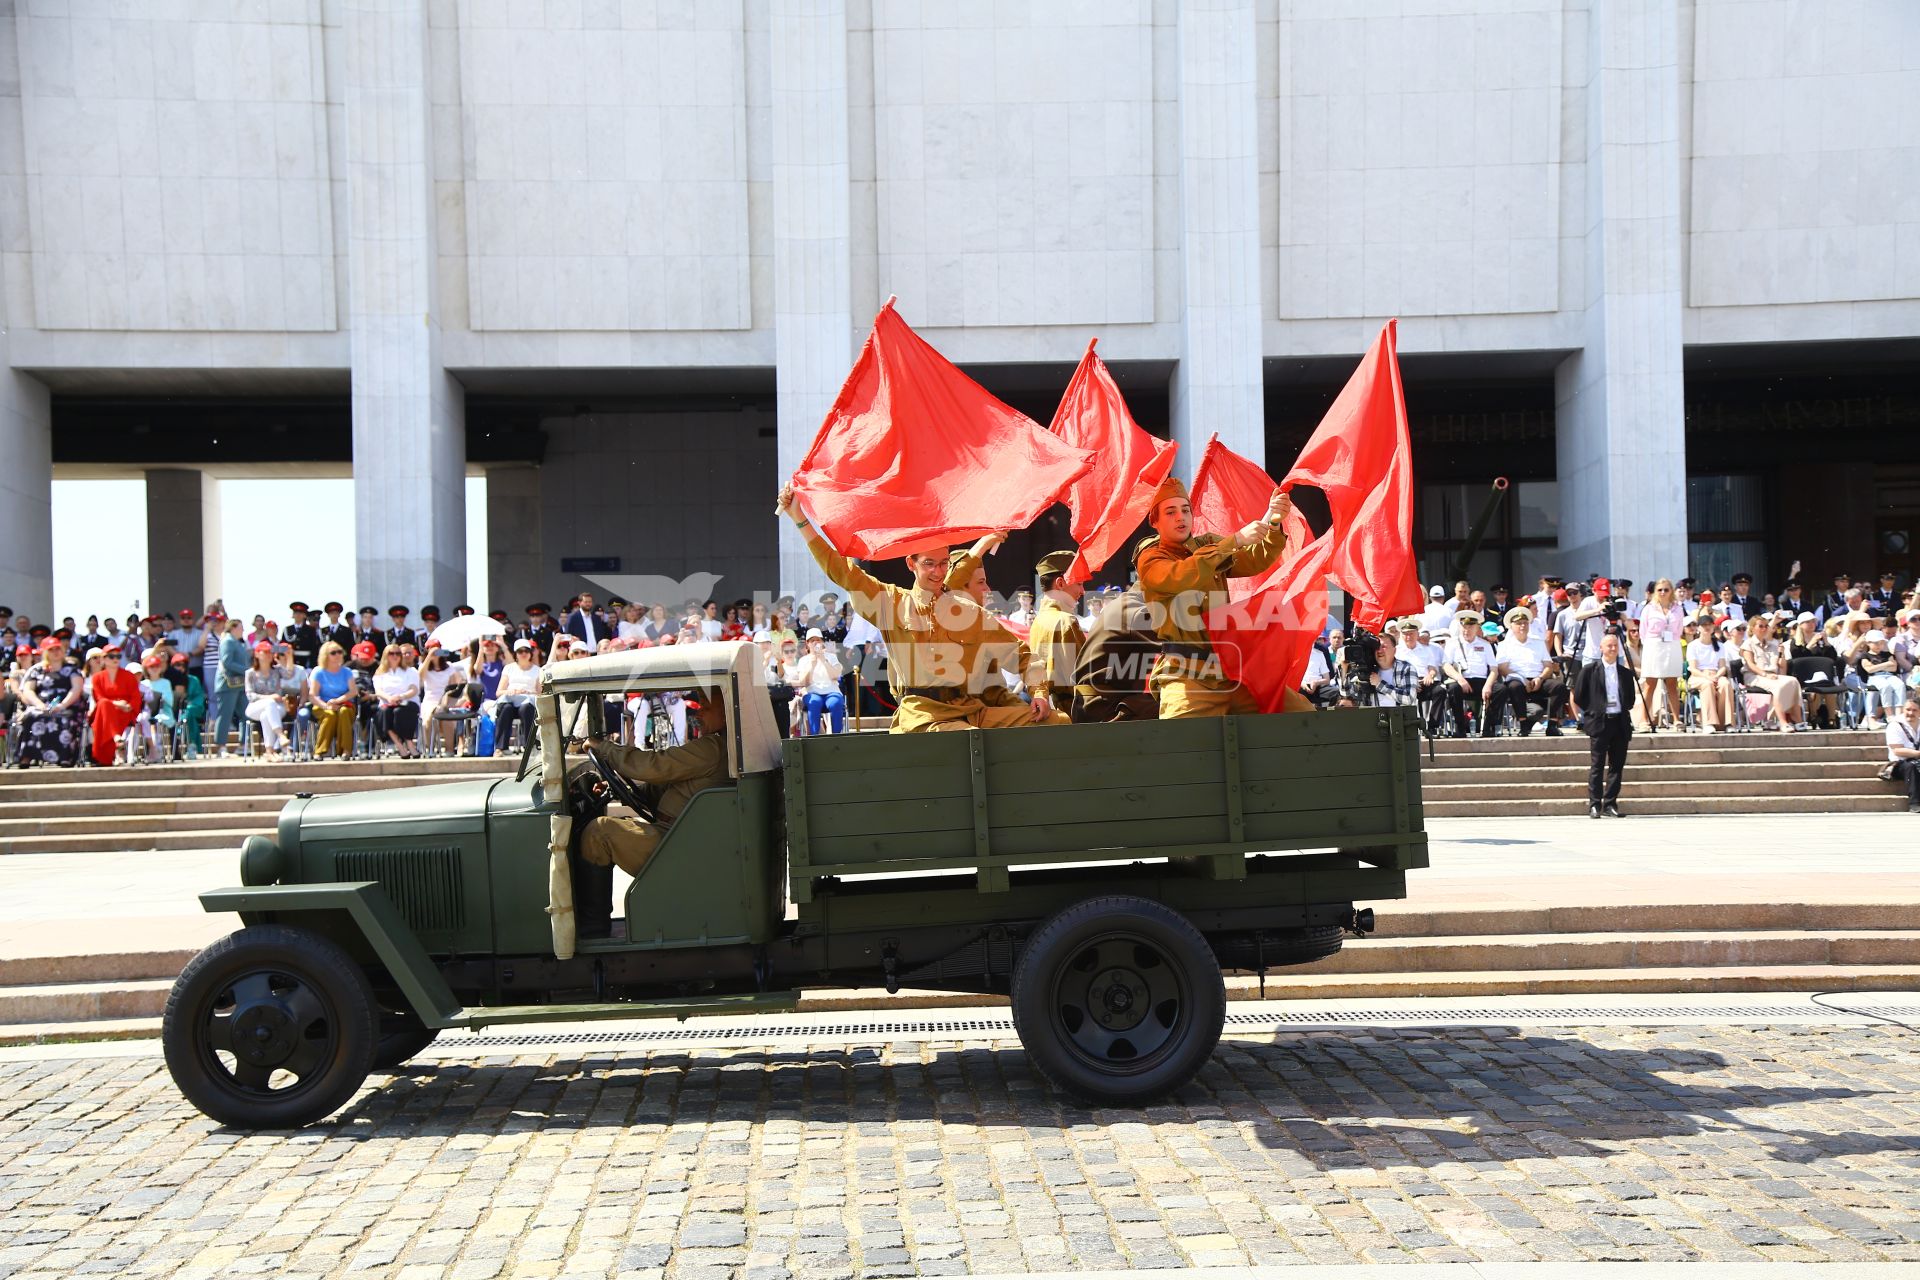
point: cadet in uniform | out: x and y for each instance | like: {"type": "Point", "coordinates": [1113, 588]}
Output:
{"type": "Point", "coordinates": [934, 640]}
{"type": "Point", "coordinates": [1182, 576]}
{"type": "Point", "coordinates": [1055, 636]}
{"type": "Point", "coordinates": [303, 637]}
{"type": "Point", "coordinates": [400, 633]}
{"type": "Point", "coordinates": [1110, 684]}
{"type": "Point", "coordinates": [679, 773]}
{"type": "Point", "coordinates": [334, 631]}
{"type": "Point", "coordinates": [540, 630]}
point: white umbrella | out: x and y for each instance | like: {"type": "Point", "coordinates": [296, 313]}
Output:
{"type": "Point", "coordinates": [456, 634]}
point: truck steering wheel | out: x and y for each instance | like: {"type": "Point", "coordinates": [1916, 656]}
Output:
{"type": "Point", "coordinates": [622, 787]}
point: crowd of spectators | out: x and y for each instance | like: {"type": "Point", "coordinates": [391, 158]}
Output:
{"type": "Point", "coordinates": [1712, 658]}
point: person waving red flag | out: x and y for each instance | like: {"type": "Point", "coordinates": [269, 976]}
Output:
{"type": "Point", "coordinates": [915, 454]}
{"type": "Point", "coordinates": [1113, 496]}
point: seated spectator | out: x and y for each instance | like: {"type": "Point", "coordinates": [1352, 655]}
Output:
{"type": "Point", "coordinates": [1394, 681]}
{"type": "Point", "coordinates": [396, 693]}
{"type": "Point", "coordinates": [515, 703]}
{"type": "Point", "coordinates": [1707, 673]}
{"type": "Point", "coordinates": [1765, 663]}
{"type": "Point", "coordinates": [1903, 748]}
{"type": "Point", "coordinates": [266, 705]}
{"type": "Point", "coordinates": [1813, 662]}
{"type": "Point", "coordinates": [1418, 651]}
{"type": "Point", "coordinates": [1880, 673]}
{"type": "Point", "coordinates": [1906, 640]}
{"type": "Point", "coordinates": [1318, 684]}
{"type": "Point", "coordinates": [1468, 666]}
{"type": "Point", "coordinates": [330, 694]}
{"type": "Point", "coordinates": [50, 693]}
{"type": "Point", "coordinates": [817, 677]}
{"type": "Point", "coordinates": [1525, 675]}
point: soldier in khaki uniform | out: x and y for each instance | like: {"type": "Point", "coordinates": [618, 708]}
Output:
{"type": "Point", "coordinates": [967, 573]}
{"type": "Point", "coordinates": [1056, 636]}
{"type": "Point", "coordinates": [1182, 577]}
{"type": "Point", "coordinates": [679, 773]}
{"type": "Point", "coordinates": [935, 641]}
{"type": "Point", "coordinates": [1110, 684]}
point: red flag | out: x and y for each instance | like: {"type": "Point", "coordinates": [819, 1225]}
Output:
{"type": "Point", "coordinates": [1111, 499]}
{"type": "Point", "coordinates": [915, 454]}
{"type": "Point", "coordinates": [1360, 457]}
{"type": "Point", "coordinates": [1265, 637]}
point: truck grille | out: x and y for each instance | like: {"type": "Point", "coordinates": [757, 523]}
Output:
{"type": "Point", "coordinates": [424, 883]}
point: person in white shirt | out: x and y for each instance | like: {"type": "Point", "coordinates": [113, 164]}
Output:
{"type": "Point", "coordinates": [1903, 748]}
{"type": "Point", "coordinates": [1524, 674]}
{"type": "Point", "coordinates": [1468, 667]}
{"type": "Point", "coordinates": [1418, 652]}
{"type": "Point", "coordinates": [396, 692]}
{"type": "Point", "coordinates": [816, 677]}
{"type": "Point", "coordinates": [514, 703]}
{"type": "Point", "coordinates": [1707, 674]}
{"type": "Point", "coordinates": [1440, 611]}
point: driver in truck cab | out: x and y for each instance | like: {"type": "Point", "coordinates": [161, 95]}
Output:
{"type": "Point", "coordinates": [677, 774]}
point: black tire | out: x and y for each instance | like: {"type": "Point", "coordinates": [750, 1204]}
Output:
{"type": "Point", "coordinates": [1118, 1000]}
{"type": "Point", "coordinates": [402, 1035]}
{"type": "Point", "coordinates": [303, 1005]}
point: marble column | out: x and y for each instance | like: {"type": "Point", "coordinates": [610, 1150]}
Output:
{"type": "Point", "coordinates": [409, 429]}
{"type": "Point", "coordinates": [183, 539]}
{"type": "Point", "coordinates": [26, 420]}
{"type": "Point", "coordinates": [1620, 405]}
{"type": "Point", "coordinates": [1217, 385]}
{"type": "Point", "coordinates": [812, 239]}
{"type": "Point", "coordinates": [515, 554]}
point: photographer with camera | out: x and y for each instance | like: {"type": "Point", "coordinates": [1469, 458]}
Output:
{"type": "Point", "coordinates": [1392, 681]}
{"type": "Point", "coordinates": [1588, 617]}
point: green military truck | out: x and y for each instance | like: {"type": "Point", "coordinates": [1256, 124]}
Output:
{"type": "Point", "coordinates": [1102, 876]}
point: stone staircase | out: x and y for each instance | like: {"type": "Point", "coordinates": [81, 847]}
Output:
{"type": "Point", "coordinates": [1667, 773]}
{"type": "Point", "coordinates": [203, 805]}
{"type": "Point", "coordinates": [1432, 952]}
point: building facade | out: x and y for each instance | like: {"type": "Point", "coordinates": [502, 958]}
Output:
{"type": "Point", "coordinates": [1658, 261]}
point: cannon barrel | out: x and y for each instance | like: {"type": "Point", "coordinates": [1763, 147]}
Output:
{"type": "Point", "coordinates": [1464, 556]}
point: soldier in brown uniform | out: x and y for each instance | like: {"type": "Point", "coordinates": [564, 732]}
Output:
{"type": "Point", "coordinates": [966, 573]}
{"type": "Point", "coordinates": [1110, 684]}
{"type": "Point", "coordinates": [1182, 577]}
{"type": "Point", "coordinates": [1055, 638]}
{"type": "Point", "coordinates": [678, 773]}
{"type": "Point", "coordinates": [935, 638]}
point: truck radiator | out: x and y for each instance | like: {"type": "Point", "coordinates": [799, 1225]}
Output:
{"type": "Point", "coordinates": [424, 883]}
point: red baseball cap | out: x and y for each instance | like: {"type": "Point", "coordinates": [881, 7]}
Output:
{"type": "Point", "coordinates": [1602, 587]}
{"type": "Point", "coordinates": [262, 646]}
{"type": "Point", "coordinates": [364, 650]}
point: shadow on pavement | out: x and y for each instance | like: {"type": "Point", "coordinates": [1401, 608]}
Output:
{"type": "Point", "coordinates": [1367, 1097]}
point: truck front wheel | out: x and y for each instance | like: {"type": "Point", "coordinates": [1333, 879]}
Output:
{"type": "Point", "coordinates": [1118, 1000]}
{"type": "Point", "coordinates": [271, 1027]}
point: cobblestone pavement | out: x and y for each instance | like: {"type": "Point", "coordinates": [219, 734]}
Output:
{"type": "Point", "coordinates": [1721, 1143]}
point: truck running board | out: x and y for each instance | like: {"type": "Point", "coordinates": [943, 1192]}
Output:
{"type": "Point", "coordinates": [762, 1002]}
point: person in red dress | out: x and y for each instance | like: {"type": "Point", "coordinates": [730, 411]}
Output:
{"type": "Point", "coordinates": [116, 705]}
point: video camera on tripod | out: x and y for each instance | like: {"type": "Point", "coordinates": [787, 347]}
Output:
{"type": "Point", "coordinates": [1357, 662]}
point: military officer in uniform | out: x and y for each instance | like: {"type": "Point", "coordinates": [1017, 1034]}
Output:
{"type": "Point", "coordinates": [1055, 636]}
{"type": "Point", "coordinates": [1110, 683]}
{"type": "Point", "coordinates": [1182, 576]}
{"type": "Point", "coordinates": [303, 637]}
{"type": "Point", "coordinates": [399, 633]}
{"type": "Point", "coordinates": [333, 630]}
{"type": "Point", "coordinates": [429, 619]}
{"type": "Point", "coordinates": [676, 773]}
{"type": "Point", "coordinates": [935, 639]}
{"type": "Point", "coordinates": [540, 630]}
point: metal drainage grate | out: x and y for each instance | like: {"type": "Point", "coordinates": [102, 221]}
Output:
{"type": "Point", "coordinates": [1003, 1027]}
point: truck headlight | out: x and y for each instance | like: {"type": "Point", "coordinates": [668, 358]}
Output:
{"type": "Point", "coordinates": [261, 862]}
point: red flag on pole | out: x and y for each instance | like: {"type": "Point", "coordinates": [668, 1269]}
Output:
{"type": "Point", "coordinates": [1265, 636]}
{"type": "Point", "coordinates": [1113, 496]}
{"type": "Point", "coordinates": [1361, 458]}
{"type": "Point", "coordinates": [915, 454]}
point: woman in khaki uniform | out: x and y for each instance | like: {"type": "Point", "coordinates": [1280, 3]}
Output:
{"type": "Point", "coordinates": [935, 640]}
{"type": "Point", "coordinates": [1182, 577]}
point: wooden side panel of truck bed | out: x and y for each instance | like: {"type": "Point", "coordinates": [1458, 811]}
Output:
{"type": "Point", "coordinates": [1213, 790]}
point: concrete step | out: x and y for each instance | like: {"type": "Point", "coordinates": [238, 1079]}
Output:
{"type": "Point", "coordinates": [1401, 920]}
{"type": "Point", "coordinates": [239, 768]}
{"type": "Point", "coordinates": [265, 782]}
{"type": "Point", "coordinates": [79, 1032]}
{"type": "Point", "coordinates": [156, 810]}
{"type": "Point", "coordinates": [1686, 950]}
{"type": "Point", "coordinates": [1576, 767]}
{"type": "Point", "coordinates": [117, 822]}
{"type": "Point", "coordinates": [83, 1001]}
{"type": "Point", "coordinates": [1666, 783]}
{"type": "Point", "coordinates": [1784, 749]}
{"type": "Point", "coordinates": [103, 966]}
{"type": "Point", "coordinates": [1305, 984]}
{"type": "Point", "coordinates": [142, 841]}
{"type": "Point", "coordinates": [1859, 802]}
{"type": "Point", "coordinates": [1750, 741]}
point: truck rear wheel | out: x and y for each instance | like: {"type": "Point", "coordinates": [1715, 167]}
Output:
{"type": "Point", "coordinates": [271, 1027]}
{"type": "Point", "coordinates": [1118, 1000]}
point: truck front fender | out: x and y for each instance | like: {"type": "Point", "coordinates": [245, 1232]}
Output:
{"type": "Point", "coordinates": [366, 904]}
